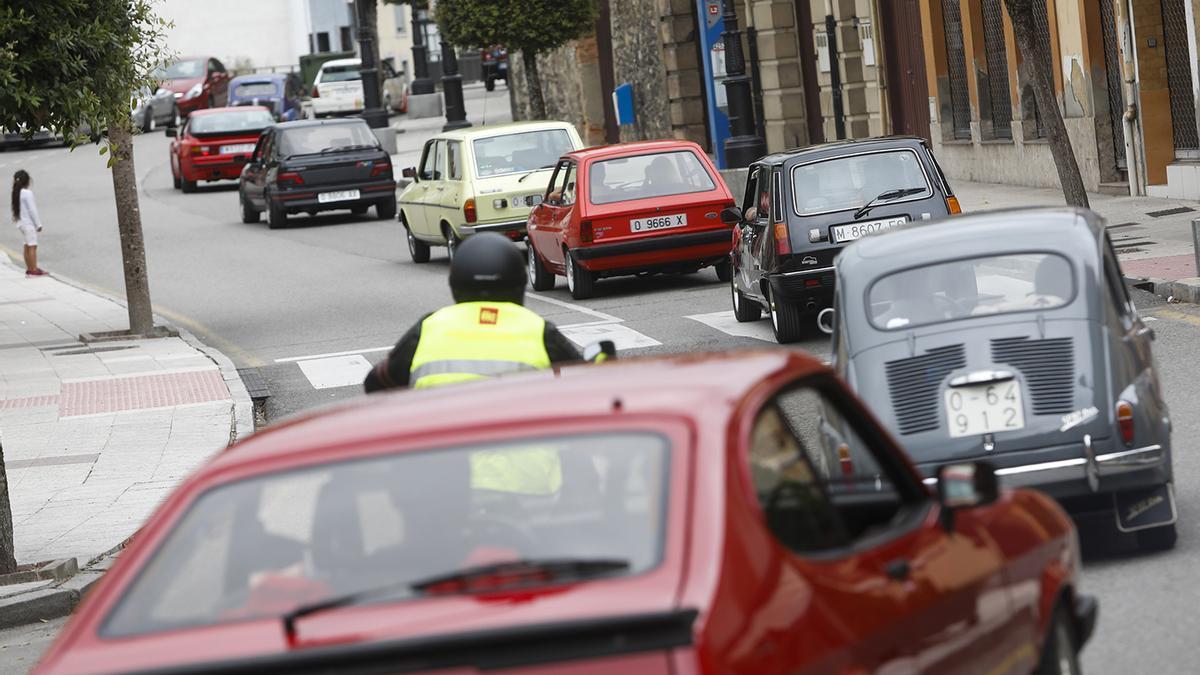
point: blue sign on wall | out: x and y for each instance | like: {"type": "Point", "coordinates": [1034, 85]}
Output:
{"type": "Point", "coordinates": [622, 97]}
{"type": "Point", "coordinates": [712, 51]}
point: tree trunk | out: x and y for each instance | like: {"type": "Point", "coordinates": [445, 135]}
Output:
{"type": "Point", "coordinates": [1035, 53]}
{"type": "Point", "coordinates": [129, 224]}
{"type": "Point", "coordinates": [8, 561]}
{"type": "Point", "coordinates": [533, 81]}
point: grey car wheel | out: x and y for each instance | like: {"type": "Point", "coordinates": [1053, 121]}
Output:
{"type": "Point", "coordinates": [417, 249]}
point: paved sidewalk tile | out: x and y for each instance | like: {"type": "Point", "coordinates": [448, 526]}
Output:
{"type": "Point", "coordinates": [95, 435]}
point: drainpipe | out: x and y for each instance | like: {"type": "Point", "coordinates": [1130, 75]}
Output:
{"type": "Point", "coordinates": [1135, 156]}
{"type": "Point", "coordinates": [1190, 13]}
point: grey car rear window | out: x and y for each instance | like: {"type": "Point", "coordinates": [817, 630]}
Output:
{"type": "Point", "coordinates": [313, 139]}
{"type": "Point", "coordinates": [960, 289]}
{"type": "Point", "coordinates": [849, 182]}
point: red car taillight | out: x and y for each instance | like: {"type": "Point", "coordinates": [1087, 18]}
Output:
{"type": "Point", "coordinates": [469, 211]}
{"type": "Point", "coordinates": [381, 168]}
{"type": "Point", "coordinates": [587, 234]}
{"type": "Point", "coordinates": [316, 94]}
{"type": "Point", "coordinates": [1125, 421]}
{"type": "Point", "coordinates": [201, 150]}
{"type": "Point", "coordinates": [289, 178]}
{"type": "Point", "coordinates": [783, 245]}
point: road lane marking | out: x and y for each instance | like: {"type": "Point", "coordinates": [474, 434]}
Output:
{"type": "Point", "coordinates": [350, 352]}
{"type": "Point", "coordinates": [337, 371]}
{"type": "Point", "coordinates": [622, 336]}
{"type": "Point", "coordinates": [729, 325]}
{"type": "Point", "coordinates": [1173, 315]}
{"type": "Point", "coordinates": [574, 307]}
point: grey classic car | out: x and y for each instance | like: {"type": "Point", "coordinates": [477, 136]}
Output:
{"type": "Point", "coordinates": [1010, 337]}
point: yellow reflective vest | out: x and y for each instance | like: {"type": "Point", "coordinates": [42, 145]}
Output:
{"type": "Point", "coordinates": [477, 340]}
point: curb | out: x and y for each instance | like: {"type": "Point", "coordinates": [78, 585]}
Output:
{"type": "Point", "coordinates": [46, 604]}
{"type": "Point", "coordinates": [1181, 290]}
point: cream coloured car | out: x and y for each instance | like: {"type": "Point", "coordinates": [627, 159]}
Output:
{"type": "Point", "coordinates": [480, 179]}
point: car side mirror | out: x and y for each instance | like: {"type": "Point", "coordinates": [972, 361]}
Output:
{"type": "Point", "coordinates": [171, 132]}
{"type": "Point", "coordinates": [731, 215]}
{"type": "Point", "coordinates": [599, 352]}
{"type": "Point", "coordinates": [965, 485]}
{"type": "Point", "coordinates": [410, 173]}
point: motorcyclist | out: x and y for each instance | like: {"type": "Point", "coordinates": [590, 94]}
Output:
{"type": "Point", "coordinates": [487, 332]}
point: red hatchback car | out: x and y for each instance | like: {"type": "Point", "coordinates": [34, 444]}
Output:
{"type": "Point", "coordinates": [633, 208]}
{"type": "Point", "coordinates": [685, 525]}
{"type": "Point", "coordinates": [216, 144]}
{"type": "Point", "coordinates": [198, 82]}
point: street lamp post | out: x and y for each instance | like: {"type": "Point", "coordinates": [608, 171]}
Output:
{"type": "Point", "coordinates": [421, 83]}
{"type": "Point", "coordinates": [743, 145]}
{"type": "Point", "coordinates": [452, 90]}
{"type": "Point", "coordinates": [373, 112]}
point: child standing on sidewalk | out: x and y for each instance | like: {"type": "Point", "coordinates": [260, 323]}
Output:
{"type": "Point", "coordinates": [25, 214]}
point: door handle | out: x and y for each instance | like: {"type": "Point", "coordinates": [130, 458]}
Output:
{"type": "Point", "coordinates": [898, 569]}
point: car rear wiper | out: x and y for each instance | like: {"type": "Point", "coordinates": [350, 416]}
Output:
{"type": "Point", "coordinates": [886, 197]}
{"type": "Point", "coordinates": [495, 576]}
{"type": "Point", "coordinates": [530, 173]}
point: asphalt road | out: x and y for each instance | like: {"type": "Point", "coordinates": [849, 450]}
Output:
{"type": "Point", "coordinates": [310, 306]}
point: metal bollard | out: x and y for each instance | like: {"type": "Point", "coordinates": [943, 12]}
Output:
{"type": "Point", "coordinates": [1196, 244]}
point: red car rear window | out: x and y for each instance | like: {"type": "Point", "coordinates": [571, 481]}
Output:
{"type": "Point", "coordinates": [623, 179]}
{"type": "Point", "coordinates": [263, 546]}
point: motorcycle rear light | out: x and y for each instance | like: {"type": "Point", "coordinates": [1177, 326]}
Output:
{"type": "Point", "coordinates": [381, 168]}
{"type": "Point", "coordinates": [952, 205]}
{"type": "Point", "coordinates": [782, 245]}
{"type": "Point", "coordinates": [1125, 421]}
{"type": "Point", "coordinates": [587, 234]}
{"type": "Point", "coordinates": [469, 211]}
{"type": "Point", "coordinates": [288, 178]}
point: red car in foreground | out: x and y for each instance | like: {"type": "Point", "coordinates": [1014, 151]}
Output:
{"type": "Point", "coordinates": [632, 208]}
{"type": "Point", "coordinates": [216, 144]}
{"type": "Point", "coordinates": [686, 524]}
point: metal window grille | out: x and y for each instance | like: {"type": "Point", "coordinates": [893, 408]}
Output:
{"type": "Point", "coordinates": [997, 62]}
{"type": "Point", "coordinates": [1179, 75]}
{"type": "Point", "coordinates": [1041, 23]}
{"type": "Point", "coordinates": [1112, 73]}
{"type": "Point", "coordinates": [960, 104]}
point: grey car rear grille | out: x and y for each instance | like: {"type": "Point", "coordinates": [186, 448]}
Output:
{"type": "Point", "coordinates": [1048, 367]}
{"type": "Point", "coordinates": [913, 385]}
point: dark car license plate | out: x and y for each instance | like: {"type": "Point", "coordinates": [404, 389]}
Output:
{"type": "Point", "coordinates": [1141, 509]}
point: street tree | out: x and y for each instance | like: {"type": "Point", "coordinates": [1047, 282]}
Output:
{"type": "Point", "coordinates": [529, 26]}
{"type": "Point", "coordinates": [1034, 48]}
{"type": "Point", "coordinates": [72, 66]}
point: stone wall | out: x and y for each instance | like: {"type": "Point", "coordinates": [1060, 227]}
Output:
{"type": "Point", "coordinates": [779, 73]}
{"type": "Point", "coordinates": [685, 74]}
{"type": "Point", "coordinates": [638, 60]}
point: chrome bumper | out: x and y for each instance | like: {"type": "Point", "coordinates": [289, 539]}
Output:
{"type": "Point", "coordinates": [1078, 468]}
{"type": "Point", "coordinates": [506, 226]}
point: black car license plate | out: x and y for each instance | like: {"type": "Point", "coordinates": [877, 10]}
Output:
{"type": "Point", "coordinates": [1142, 509]}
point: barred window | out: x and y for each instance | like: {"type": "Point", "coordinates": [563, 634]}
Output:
{"type": "Point", "coordinates": [997, 62]}
{"type": "Point", "coordinates": [956, 60]}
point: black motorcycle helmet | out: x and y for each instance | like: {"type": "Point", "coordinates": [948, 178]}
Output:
{"type": "Point", "coordinates": [487, 266]}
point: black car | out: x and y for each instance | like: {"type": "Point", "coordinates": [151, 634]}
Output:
{"type": "Point", "coordinates": [803, 206]}
{"type": "Point", "coordinates": [317, 165]}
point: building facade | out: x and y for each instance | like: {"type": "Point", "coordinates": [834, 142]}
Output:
{"type": "Point", "coordinates": [1123, 73]}
{"type": "Point", "coordinates": [823, 69]}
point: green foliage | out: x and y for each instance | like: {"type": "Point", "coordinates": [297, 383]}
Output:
{"type": "Point", "coordinates": [529, 26]}
{"type": "Point", "coordinates": [68, 65]}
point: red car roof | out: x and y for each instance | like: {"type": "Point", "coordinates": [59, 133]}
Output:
{"type": "Point", "coordinates": [229, 108]}
{"type": "Point", "coordinates": [697, 385]}
{"type": "Point", "coordinates": [633, 148]}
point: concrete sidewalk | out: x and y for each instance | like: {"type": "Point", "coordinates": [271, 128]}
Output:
{"type": "Point", "coordinates": [483, 107]}
{"type": "Point", "coordinates": [96, 435]}
{"type": "Point", "coordinates": [1152, 236]}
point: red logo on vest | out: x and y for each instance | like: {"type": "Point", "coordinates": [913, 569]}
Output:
{"type": "Point", "coordinates": [489, 316]}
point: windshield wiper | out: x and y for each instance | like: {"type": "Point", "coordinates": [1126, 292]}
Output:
{"type": "Point", "coordinates": [540, 168]}
{"type": "Point", "coordinates": [886, 197]}
{"type": "Point", "coordinates": [515, 573]}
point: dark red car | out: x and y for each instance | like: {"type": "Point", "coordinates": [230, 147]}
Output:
{"type": "Point", "coordinates": [198, 82]}
{"type": "Point", "coordinates": [216, 144]}
{"type": "Point", "coordinates": [684, 524]}
{"type": "Point", "coordinates": [633, 208]}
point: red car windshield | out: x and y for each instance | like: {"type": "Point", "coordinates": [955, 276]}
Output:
{"type": "Point", "coordinates": [184, 70]}
{"type": "Point", "coordinates": [261, 547]}
{"type": "Point", "coordinates": [233, 122]}
{"type": "Point", "coordinates": [661, 174]}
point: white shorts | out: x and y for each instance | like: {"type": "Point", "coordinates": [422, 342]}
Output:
{"type": "Point", "coordinates": [30, 233]}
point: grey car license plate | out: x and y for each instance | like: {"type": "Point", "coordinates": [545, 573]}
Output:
{"type": "Point", "coordinates": [337, 196]}
{"type": "Point", "coordinates": [843, 233]}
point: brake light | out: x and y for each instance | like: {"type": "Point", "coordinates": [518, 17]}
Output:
{"type": "Point", "coordinates": [952, 205]}
{"type": "Point", "coordinates": [1125, 421]}
{"type": "Point", "coordinates": [201, 150]}
{"type": "Point", "coordinates": [381, 168]}
{"type": "Point", "coordinates": [287, 178]}
{"type": "Point", "coordinates": [783, 245]}
{"type": "Point", "coordinates": [316, 93]}
{"type": "Point", "coordinates": [469, 211]}
{"type": "Point", "coordinates": [587, 234]}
